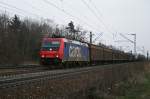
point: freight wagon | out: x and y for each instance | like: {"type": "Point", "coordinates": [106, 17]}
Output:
{"type": "Point", "coordinates": [65, 51]}
{"type": "Point", "coordinates": [102, 54]}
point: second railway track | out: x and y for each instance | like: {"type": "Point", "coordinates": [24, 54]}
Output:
{"type": "Point", "coordinates": [20, 69]}
{"type": "Point", "coordinates": [16, 80]}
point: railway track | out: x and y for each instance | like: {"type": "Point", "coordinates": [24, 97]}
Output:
{"type": "Point", "coordinates": [16, 80]}
{"type": "Point", "coordinates": [20, 69]}
{"type": "Point", "coordinates": [59, 83]}
{"type": "Point", "coordinates": [8, 70]}
{"type": "Point", "coordinates": [38, 76]}
{"type": "Point", "coordinates": [20, 66]}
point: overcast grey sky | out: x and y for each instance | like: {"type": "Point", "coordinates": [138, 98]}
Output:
{"type": "Point", "coordinates": [112, 17]}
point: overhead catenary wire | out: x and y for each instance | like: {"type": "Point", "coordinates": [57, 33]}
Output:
{"type": "Point", "coordinates": [98, 17]}
{"type": "Point", "coordinates": [64, 11]}
{"type": "Point", "coordinates": [67, 13]}
{"type": "Point", "coordinates": [95, 14]}
{"type": "Point", "coordinates": [126, 38]}
{"type": "Point", "coordinates": [96, 8]}
{"type": "Point", "coordinates": [3, 7]}
{"type": "Point", "coordinates": [93, 11]}
{"type": "Point", "coordinates": [81, 14]}
{"type": "Point", "coordinates": [19, 9]}
{"type": "Point", "coordinates": [24, 11]}
{"type": "Point", "coordinates": [98, 36]}
{"type": "Point", "coordinates": [85, 17]}
{"type": "Point", "coordinates": [100, 14]}
{"type": "Point", "coordinates": [33, 7]}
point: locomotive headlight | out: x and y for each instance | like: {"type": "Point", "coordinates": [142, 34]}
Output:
{"type": "Point", "coordinates": [42, 56]}
{"type": "Point", "coordinates": [57, 56]}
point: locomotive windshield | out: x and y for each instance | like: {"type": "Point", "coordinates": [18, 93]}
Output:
{"type": "Point", "coordinates": [51, 45]}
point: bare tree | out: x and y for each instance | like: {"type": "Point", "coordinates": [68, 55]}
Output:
{"type": "Point", "coordinates": [20, 40]}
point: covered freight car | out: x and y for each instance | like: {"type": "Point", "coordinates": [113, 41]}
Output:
{"type": "Point", "coordinates": [65, 51]}
{"type": "Point", "coordinates": [100, 54]}
{"type": "Point", "coordinates": [96, 54]}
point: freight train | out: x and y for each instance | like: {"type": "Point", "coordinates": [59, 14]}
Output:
{"type": "Point", "coordinates": [65, 51]}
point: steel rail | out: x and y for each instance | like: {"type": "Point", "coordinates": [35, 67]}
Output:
{"type": "Point", "coordinates": [22, 78]}
{"type": "Point", "coordinates": [19, 66]}
{"type": "Point", "coordinates": [16, 80]}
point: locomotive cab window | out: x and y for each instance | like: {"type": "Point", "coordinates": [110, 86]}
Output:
{"type": "Point", "coordinates": [51, 45]}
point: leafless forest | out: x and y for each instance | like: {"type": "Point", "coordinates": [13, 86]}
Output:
{"type": "Point", "coordinates": [20, 39]}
